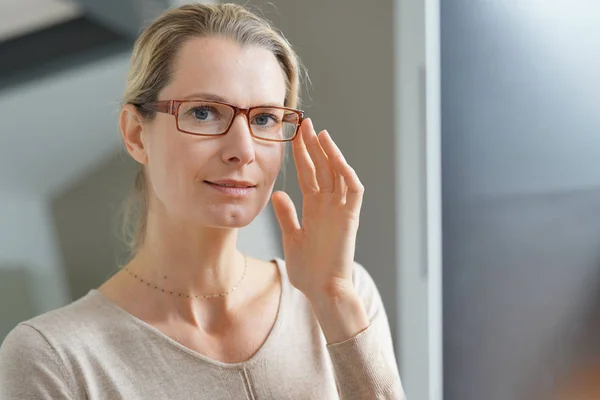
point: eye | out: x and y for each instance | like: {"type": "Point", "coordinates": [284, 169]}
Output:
{"type": "Point", "coordinates": [203, 113]}
{"type": "Point", "coordinates": [265, 119]}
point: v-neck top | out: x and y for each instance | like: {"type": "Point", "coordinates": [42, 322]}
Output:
{"type": "Point", "coordinates": [93, 349]}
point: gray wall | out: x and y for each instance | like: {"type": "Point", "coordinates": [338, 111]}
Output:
{"type": "Point", "coordinates": [17, 286]}
{"type": "Point", "coordinates": [28, 242]}
{"type": "Point", "coordinates": [521, 192]}
{"type": "Point", "coordinates": [93, 205]}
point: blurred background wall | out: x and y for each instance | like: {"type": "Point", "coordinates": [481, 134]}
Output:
{"type": "Point", "coordinates": [521, 195]}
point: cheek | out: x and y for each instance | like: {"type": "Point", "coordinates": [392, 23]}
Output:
{"type": "Point", "coordinates": [172, 164]}
{"type": "Point", "coordinates": [272, 159]}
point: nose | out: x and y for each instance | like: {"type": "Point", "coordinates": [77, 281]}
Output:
{"type": "Point", "coordinates": [238, 143]}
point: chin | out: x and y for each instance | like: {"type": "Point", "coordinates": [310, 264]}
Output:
{"type": "Point", "coordinates": [230, 222]}
{"type": "Point", "coordinates": [230, 217]}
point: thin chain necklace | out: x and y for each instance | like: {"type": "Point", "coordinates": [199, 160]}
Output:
{"type": "Point", "coordinates": [189, 296]}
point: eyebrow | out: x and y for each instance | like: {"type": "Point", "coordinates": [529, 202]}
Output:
{"type": "Point", "coordinates": [216, 97]}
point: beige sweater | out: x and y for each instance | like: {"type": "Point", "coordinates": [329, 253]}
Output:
{"type": "Point", "coordinates": [92, 349]}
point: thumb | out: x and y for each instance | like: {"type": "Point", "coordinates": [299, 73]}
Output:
{"type": "Point", "coordinates": [285, 211]}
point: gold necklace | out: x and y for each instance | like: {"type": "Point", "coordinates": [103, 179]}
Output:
{"type": "Point", "coordinates": [189, 296]}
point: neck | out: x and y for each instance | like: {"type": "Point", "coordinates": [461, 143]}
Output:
{"type": "Point", "coordinates": [189, 259]}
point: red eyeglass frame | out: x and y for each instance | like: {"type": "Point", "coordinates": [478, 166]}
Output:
{"type": "Point", "coordinates": [172, 107]}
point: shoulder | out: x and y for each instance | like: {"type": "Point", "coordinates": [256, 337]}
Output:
{"type": "Point", "coordinates": [31, 368]}
{"type": "Point", "coordinates": [58, 328]}
{"type": "Point", "coordinates": [22, 341]}
{"type": "Point", "coordinates": [34, 355]}
{"type": "Point", "coordinates": [40, 355]}
{"type": "Point", "coordinates": [24, 348]}
{"type": "Point", "coordinates": [76, 315]}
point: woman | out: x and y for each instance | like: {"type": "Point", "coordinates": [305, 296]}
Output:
{"type": "Point", "coordinates": [208, 108]}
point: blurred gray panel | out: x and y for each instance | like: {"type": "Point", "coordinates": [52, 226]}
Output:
{"type": "Point", "coordinates": [521, 277]}
{"type": "Point", "coordinates": [124, 16]}
{"type": "Point", "coordinates": [520, 97]}
{"type": "Point", "coordinates": [105, 28]}
{"type": "Point", "coordinates": [67, 45]}
{"type": "Point", "coordinates": [93, 205]}
{"type": "Point", "coordinates": [521, 194]}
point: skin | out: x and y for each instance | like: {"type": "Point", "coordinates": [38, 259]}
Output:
{"type": "Point", "coordinates": [190, 244]}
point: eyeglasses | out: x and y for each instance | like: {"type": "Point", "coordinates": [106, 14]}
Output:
{"type": "Point", "coordinates": [214, 118]}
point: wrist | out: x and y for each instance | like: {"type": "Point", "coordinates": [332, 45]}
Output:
{"type": "Point", "coordinates": [340, 312]}
{"type": "Point", "coordinates": [332, 291]}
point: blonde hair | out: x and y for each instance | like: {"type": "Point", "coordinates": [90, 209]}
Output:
{"type": "Point", "coordinates": [151, 70]}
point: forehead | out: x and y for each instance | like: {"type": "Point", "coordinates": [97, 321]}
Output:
{"type": "Point", "coordinates": [243, 75]}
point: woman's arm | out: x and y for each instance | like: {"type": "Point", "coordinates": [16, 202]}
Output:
{"type": "Point", "coordinates": [342, 314]}
{"type": "Point", "coordinates": [357, 331]}
{"type": "Point", "coordinates": [30, 367]}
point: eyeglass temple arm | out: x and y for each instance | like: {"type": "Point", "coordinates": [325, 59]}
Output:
{"type": "Point", "coordinates": [158, 106]}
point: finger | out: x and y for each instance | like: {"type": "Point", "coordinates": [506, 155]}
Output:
{"type": "Point", "coordinates": [340, 189]}
{"type": "Point", "coordinates": [355, 189]}
{"type": "Point", "coordinates": [285, 211]}
{"type": "Point", "coordinates": [304, 165]}
{"type": "Point", "coordinates": [323, 172]}
{"type": "Point", "coordinates": [339, 186]}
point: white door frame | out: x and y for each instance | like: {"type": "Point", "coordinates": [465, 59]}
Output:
{"type": "Point", "coordinates": [418, 194]}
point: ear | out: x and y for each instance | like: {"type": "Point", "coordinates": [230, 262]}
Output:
{"type": "Point", "coordinates": [132, 128]}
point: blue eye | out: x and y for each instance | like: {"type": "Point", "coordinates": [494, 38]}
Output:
{"type": "Point", "coordinates": [264, 119]}
{"type": "Point", "coordinates": [201, 113]}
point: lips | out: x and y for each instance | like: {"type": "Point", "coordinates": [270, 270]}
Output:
{"type": "Point", "coordinates": [232, 184]}
{"type": "Point", "coordinates": [232, 189]}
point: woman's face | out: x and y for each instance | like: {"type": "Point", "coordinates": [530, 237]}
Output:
{"type": "Point", "coordinates": [182, 169]}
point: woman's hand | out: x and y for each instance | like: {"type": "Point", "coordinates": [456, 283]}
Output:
{"type": "Point", "coordinates": [319, 253]}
